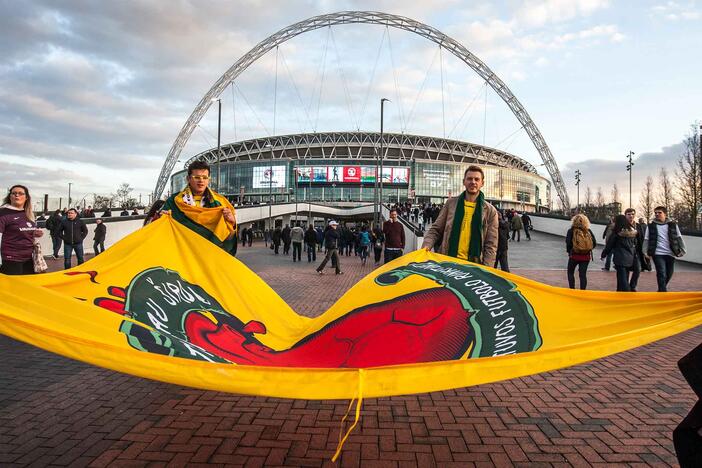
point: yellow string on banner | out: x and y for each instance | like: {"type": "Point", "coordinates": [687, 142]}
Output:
{"type": "Point", "coordinates": [359, 402]}
{"type": "Point", "coordinates": [165, 304]}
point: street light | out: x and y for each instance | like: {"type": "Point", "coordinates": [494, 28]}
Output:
{"type": "Point", "coordinates": [382, 110]}
{"type": "Point", "coordinates": [628, 169]}
{"type": "Point", "coordinates": [219, 138]}
{"type": "Point", "coordinates": [577, 184]}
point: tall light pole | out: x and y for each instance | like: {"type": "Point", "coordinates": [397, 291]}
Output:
{"type": "Point", "coordinates": [628, 169]}
{"type": "Point", "coordinates": [577, 184]}
{"type": "Point", "coordinates": [69, 194]}
{"type": "Point", "coordinates": [382, 110]}
{"type": "Point", "coordinates": [219, 139]}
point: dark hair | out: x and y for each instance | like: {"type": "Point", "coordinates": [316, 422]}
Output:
{"type": "Point", "coordinates": [393, 209]}
{"type": "Point", "coordinates": [661, 208]}
{"type": "Point", "coordinates": [72, 209]}
{"type": "Point", "coordinates": [629, 210]}
{"type": "Point", "coordinates": [155, 208]}
{"type": "Point", "coordinates": [474, 169]}
{"type": "Point", "coordinates": [198, 165]}
{"type": "Point", "coordinates": [620, 223]}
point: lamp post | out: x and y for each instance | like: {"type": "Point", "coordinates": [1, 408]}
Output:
{"type": "Point", "coordinates": [69, 194]}
{"type": "Point", "coordinates": [382, 110]}
{"type": "Point", "coordinates": [219, 139]}
{"type": "Point", "coordinates": [628, 169]}
{"type": "Point", "coordinates": [296, 176]}
{"type": "Point", "coordinates": [577, 184]}
{"type": "Point", "coordinates": [270, 188]}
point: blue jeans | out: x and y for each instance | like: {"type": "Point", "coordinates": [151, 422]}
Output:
{"type": "Point", "coordinates": [311, 253]}
{"type": "Point", "coordinates": [665, 265]}
{"type": "Point", "coordinates": [68, 250]}
{"type": "Point", "coordinates": [624, 282]}
{"type": "Point", "coordinates": [56, 244]}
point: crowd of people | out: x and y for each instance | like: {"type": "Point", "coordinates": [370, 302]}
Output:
{"type": "Point", "coordinates": [466, 227]}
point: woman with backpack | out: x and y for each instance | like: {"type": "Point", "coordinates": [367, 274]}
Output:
{"type": "Point", "coordinates": [625, 244]}
{"type": "Point", "coordinates": [580, 241]}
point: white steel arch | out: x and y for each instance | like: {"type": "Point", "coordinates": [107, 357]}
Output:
{"type": "Point", "coordinates": [365, 17]}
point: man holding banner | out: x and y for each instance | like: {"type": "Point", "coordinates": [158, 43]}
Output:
{"type": "Point", "coordinates": [203, 210]}
{"type": "Point", "coordinates": [467, 226]}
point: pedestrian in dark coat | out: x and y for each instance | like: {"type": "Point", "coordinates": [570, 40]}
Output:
{"type": "Point", "coordinates": [286, 240]}
{"type": "Point", "coordinates": [626, 245]}
{"type": "Point", "coordinates": [99, 239]}
{"type": "Point", "coordinates": [275, 239]}
{"type": "Point", "coordinates": [502, 243]}
{"type": "Point", "coordinates": [73, 230]}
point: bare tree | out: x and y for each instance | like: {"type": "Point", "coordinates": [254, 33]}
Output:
{"type": "Point", "coordinates": [665, 190]}
{"type": "Point", "coordinates": [689, 180]}
{"type": "Point", "coordinates": [600, 203]}
{"type": "Point", "coordinates": [587, 203]}
{"type": "Point", "coordinates": [646, 199]}
{"type": "Point", "coordinates": [615, 193]}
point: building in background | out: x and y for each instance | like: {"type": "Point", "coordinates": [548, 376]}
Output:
{"type": "Point", "coordinates": [340, 167]}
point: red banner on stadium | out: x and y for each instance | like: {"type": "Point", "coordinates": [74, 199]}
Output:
{"type": "Point", "coordinates": [352, 174]}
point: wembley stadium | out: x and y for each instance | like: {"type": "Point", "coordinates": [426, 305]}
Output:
{"type": "Point", "coordinates": [341, 168]}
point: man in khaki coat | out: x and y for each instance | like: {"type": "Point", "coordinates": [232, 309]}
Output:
{"type": "Point", "coordinates": [485, 250]}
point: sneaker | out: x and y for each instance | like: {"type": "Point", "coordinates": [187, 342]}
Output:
{"type": "Point", "coordinates": [339, 272]}
{"type": "Point", "coordinates": [604, 269]}
{"type": "Point", "coordinates": [320, 272]}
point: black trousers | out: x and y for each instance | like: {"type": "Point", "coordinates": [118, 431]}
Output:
{"type": "Point", "coordinates": [377, 253]}
{"type": "Point", "coordinates": [17, 268]}
{"type": "Point", "coordinates": [502, 260]}
{"type": "Point", "coordinates": [582, 273]}
{"type": "Point", "coordinates": [518, 232]}
{"type": "Point", "coordinates": [98, 247]}
{"type": "Point", "coordinates": [624, 282]}
{"type": "Point", "coordinates": [392, 254]}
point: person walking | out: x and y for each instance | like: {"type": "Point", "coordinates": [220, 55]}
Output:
{"type": "Point", "coordinates": [266, 236]}
{"type": "Point", "coordinates": [99, 238]}
{"type": "Point", "coordinates": [53, 224]}
{"type": "Point", "coordinates": [606, 235]}
{"type": "Point", "coordinates": [276, 236]}
{"type": "Point", "coordinates": [663, 243]}
{"type": "Point", "coordinates": [331, 243]}
{"type": "Point", "coordinates": [364, 241]}
{"type": "Point", "coordinates": [311, 243]}
{"type": "Point", "coordinates": [502, 243]}
{"type": "Point", "coordinates": [320, 238]}
{"type": "Point", "coordinates": [526, 221]}
{"type": "Point", "coordinates": [394, 234]}
{"type": "Point", "coordinates": [297, 236]}
{"type": "Point", "coordinates": [516, 225]}
{"type": "Point", "coordinates": [73, 231]}
{"type": "Point", "coordinates": [580, 242]}
{"type": "Point", "coordinates": [285, 236]}
{"type": "Point", "coordinates": [624, 243]}
{"type": "Point", "coordinates": [378, 242]}
{"type": "Point", "coordinates": [19, 230]}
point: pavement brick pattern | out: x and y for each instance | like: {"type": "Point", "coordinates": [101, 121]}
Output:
{"type": "Point", "coordinates": [615, 411]}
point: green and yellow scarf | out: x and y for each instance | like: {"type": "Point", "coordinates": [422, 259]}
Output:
{"type": "Point", "coordinates": [475, 248]}
{"type": "Point", "coordinates": [206, 219]}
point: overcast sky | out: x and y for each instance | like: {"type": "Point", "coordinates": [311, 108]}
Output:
{"type": "Point", "coordinates": [95, 93]}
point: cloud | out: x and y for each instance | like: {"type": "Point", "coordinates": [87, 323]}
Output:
{"type": "Point", "coordinates": [536, 13]}
{"type": "Point", "coordinates": [674, 11]}
{"type": "Point", "coordinates": [605, 173]}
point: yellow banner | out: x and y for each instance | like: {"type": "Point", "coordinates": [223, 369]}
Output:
{"type": "Point", "coordinates": [166, 304]}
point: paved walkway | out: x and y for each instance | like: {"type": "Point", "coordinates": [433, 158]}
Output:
{"type": "Point", "coordinates": [618, 410]}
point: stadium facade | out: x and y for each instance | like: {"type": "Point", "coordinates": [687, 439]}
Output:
{"type": "Point", "coordinates": [341, 167]}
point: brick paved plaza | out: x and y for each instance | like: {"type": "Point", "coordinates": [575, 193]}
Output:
{"type": "Point", "coordinates": [618, 410]}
